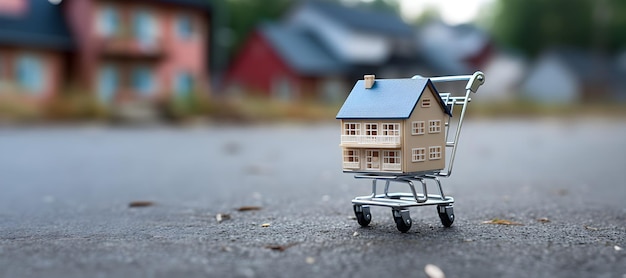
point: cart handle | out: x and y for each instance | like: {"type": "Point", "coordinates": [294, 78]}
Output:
{"type": "Point", "coordinates": [474, 81]}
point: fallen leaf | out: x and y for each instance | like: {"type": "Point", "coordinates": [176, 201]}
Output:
{"type": "Point", "coordinates": [248, 208]}
{"type": "Point", "coordinates": [265, 225]}
{"type": "Point", "coordinates": [138, 204]}
{"type": "Point", "coordinates": [221, 217]}
{"type": "Point", "coordinates": [502, 222]}
{"type": "Point", "coordinates": [280, 248]}
{"type": "Point", "coordinates": [590, 228]}
{"type": "Point", "coordinates": [617, 248]}
{"type": "Point", "coordinates": [434, 271]}
{"type": "Point", "coordinates": [543, 220]}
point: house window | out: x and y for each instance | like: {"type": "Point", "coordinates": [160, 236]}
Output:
{"type": "Point", "coordinates": [391, 129]}
{"type": "Point", "coordinates": [30, 74]}
{"type": "Point", "coordinates": [426, 102]}
{"type": "Point", "coordinates": [351, 159]}
{"type": "Point", "coordinates": [434, 126]}
{"type": "Point", "coordinates": [184, 27]}
{"type": "Point", "coordinates": [372, 160]}
{"type": "Point", "coordinates": [352, 129]}
{"type": "Point", "coordinates": [434, 152]}
{"type": "Point", "coordinates": [371, 129]}
{"type": "Point", "coordinates": [283, 88]}
{"type": "Point", "coordinates": [143, 81]}
{"type": "Point", "coordinates": [145, 28]}
{"type": "Point", "coordinates": [418, 128]}
{"type": "Point", "coordinates": [108, 82]}
{"type": "Point", "coordinates": [183, 84]}
{"type": "Point", "coordinates": [108, 21]}
{"type": "Point", "coordinates": [391, 160]}
{"type": "Point", "coordinates": [418, 154]}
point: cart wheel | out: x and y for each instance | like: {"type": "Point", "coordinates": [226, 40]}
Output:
{"type": "Point", "coordinates": [402, 219]}
{"type": "Point", "coordinates": [363, 215]}
{"type": "Point", "coordinates": [446, 214]}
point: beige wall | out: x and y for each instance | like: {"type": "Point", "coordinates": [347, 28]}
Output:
{"type": "Point", "coordinates": [434, 112]}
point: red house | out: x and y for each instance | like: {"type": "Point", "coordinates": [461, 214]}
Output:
{"type": "Point", "coordinates": [283, 63]}
{"type": "Point", "coordinates": [319, 47]}
{"type": "Point", "coordinates": [119, 50]}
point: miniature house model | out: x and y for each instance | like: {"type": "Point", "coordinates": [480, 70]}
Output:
{"type": "Point", "coordinates": [393, 126]}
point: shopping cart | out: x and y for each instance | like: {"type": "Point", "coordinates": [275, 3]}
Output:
{"type": "Point", "coordinates": [400, 202]}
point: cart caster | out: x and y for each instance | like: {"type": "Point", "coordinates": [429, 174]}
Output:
{"type": "Point", "coordinates": [402, 219]}
{"type": "Point", "coordinates": [446, 214]}
{"type": "Point", "coordinates": [363, 215]}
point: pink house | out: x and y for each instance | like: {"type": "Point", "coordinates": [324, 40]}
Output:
{"type": "Point", "coordinates": [122, 50]}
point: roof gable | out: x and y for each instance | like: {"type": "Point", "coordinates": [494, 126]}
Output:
{"type": "Point", "coordinates": [387, 99]}
{"type": "Point", "coordinates": [300, 50]}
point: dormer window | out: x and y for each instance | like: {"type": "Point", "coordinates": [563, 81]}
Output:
{"type": "Point", "coordinates": [426, 102]}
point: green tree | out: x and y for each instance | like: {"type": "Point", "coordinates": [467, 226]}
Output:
{"type": "Point", "coordinates": [532, 25]}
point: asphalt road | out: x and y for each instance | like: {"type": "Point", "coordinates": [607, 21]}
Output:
{"type": "Point", "coordinates": [65, 195]}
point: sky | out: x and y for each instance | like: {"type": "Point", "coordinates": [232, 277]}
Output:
{"type": "Point", "coordinates": [452, 11]}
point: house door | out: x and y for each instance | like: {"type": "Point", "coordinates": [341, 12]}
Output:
{"type": "Point", "coordinates": [372, 160]}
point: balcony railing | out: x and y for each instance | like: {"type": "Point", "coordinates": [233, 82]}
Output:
{"type": "Point", "coordinates": [370, 139]}
{"type": "Point", "coordinates": [131, 47]}
{"type": "Point", "coordinates": [351, 165]}
{"type": "Point", "coordinates": [392, 166]}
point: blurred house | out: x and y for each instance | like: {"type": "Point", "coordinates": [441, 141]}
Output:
{"type": "Point", "coordinates": [569, 75]}
{"type": "Point", "coordinates": [505, 71]}
{"type": "Point", "coordinates": [453, 50]}
{"type": "Point", "coordinates": [35, 44]}
{"type": "Point", "coordinates": [319, 49]}
{"type": "Point", "coordinates": [120, 50]}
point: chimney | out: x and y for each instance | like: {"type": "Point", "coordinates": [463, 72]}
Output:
{"type": "Point", "coordinates": [369, 81]}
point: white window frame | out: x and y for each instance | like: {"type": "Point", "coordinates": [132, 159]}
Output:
{"type": "Point", "coordinates": [426, 102]}
{"type": "Point", "coordinates": [371, 129]}
{"type": "Point", "coordinates": [394, 155]}
{"type": "Point", "coordinates": [434, 152]}
{"type": "Point", "coordinates": [352, 156]}
{"type": "Point", "coordinates": [391, 129]}
{"type": "Point", "coordinates": [434, 126]}
{"type": "Point", "coordinates": [347, 128]}
{"type": "Point", "coordinates": [418, 154]}
{"type": "Point", "coordinates": [418, 127]}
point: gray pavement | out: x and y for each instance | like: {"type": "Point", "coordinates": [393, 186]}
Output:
{"type": "Point", "coordinates": [65, 194]}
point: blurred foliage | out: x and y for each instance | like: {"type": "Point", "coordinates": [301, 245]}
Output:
{"type": "Point", "coordinates": [74, 105]}
{"type": "Point", "coordinates": [533, 25]}
{"type": "Point", "coordinates": [18, 107]}
{"type": "Point", "coordinates": [183, 106]}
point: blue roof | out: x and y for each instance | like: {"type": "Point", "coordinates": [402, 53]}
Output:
{"type": "Point", "coordinates": [387, 99]}
{"type": "Point", "coordinates": [42, 24]}
{"type": "Point", "coordinates": [363, 19]}
{"type": "Point", "coordinates": [301, 51]}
